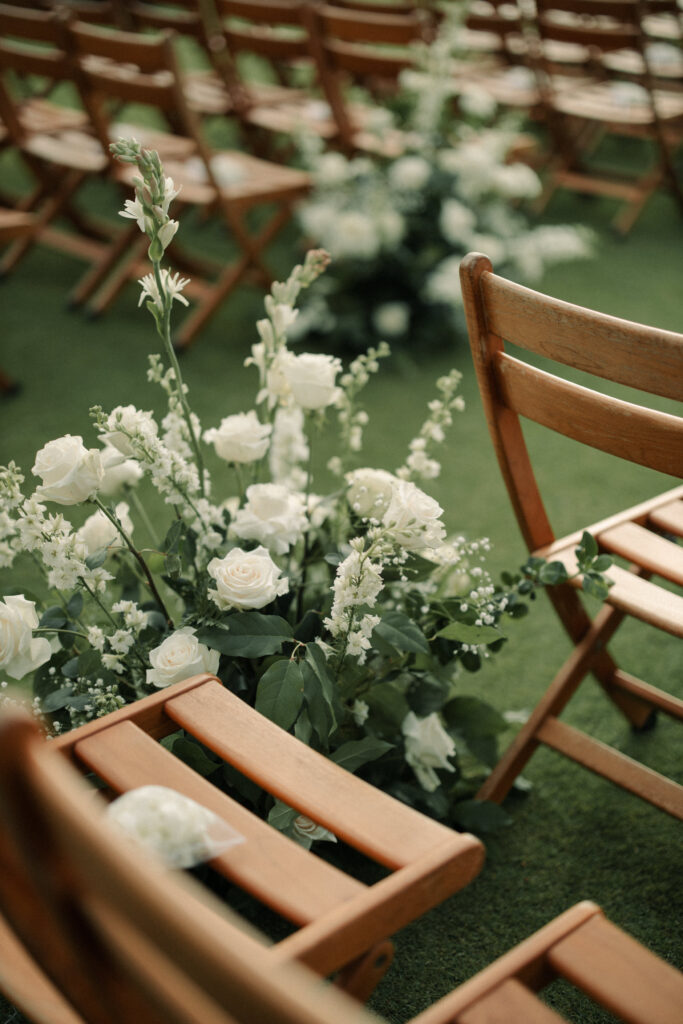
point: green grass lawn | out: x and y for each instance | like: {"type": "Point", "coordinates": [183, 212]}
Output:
{"type": "Point", "coordinates": [573, 836]}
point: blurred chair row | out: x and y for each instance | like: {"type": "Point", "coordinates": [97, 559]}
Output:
{"type": "Point", "coordinates": [314, 52]}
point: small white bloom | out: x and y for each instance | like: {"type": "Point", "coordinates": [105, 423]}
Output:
{"type": "Point", "coordinates": [311, 378]}
{"type": "Point", "coordinates": [69, 471]}
{"type": "Point", "coordinates": [360, 711]}
{"type": "Point", "coordinates": [273, 515]}
{"type": "Point", "coordinates": [166, 232]}
{"type": "Point", "coordinates": [428, 746]}
{"type": "Point", "coordinates": [409, 173]}
{"type": "Point", "coordinates": [246, 579]}
{"type": "Point", "coordinates": [457, 221]}
{"type": "Point", "coordinates": [391, 318]}
{"type": "Point", "coordinates": [240, 438]}
{"type": "Point", "coordinates": [179, 657]}
{"type": "Point", "coordinates": [172, 284]}
{"type": "Point", "coordinates": [351, 234]}
{"type": "Point", "coordinates": [172, 826]}
{"type": "Point", "coordinates": [132, 208]}
{"type": "Point", "coordinates": [19, 652]}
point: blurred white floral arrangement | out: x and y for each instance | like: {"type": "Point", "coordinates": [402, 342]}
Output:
{"type": "Point", "coordinates": [344, 617]}
{"type": "Point", "coordinates": [396, 229]}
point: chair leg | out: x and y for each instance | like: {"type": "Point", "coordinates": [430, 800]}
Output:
{"type": "Point", "coordinates": [119, 277]}
{"type": "Point", "coordinates": [360, 978]}
{"type": "Point", "coordinates": [51, 207]}
{"type": "Point", "coordinates": [94, 277]}
{"type": "Point", "coordinates": [7, 385]}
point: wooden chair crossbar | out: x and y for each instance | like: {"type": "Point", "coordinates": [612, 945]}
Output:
{"type": "Point", "coordinates": [647, 536]}
{"type": "Point", "coordinates": [96, 932]}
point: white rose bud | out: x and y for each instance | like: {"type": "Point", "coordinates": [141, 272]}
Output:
{"type": "Point", "coordinates": [246, 579]}
{"type": "Point", "coordinates": [99, 532]}
{"type": "Point", "coordinates": [414, 518]}
{"type": "Point", "coordinates": [240, 438]}
{"type": "Point", "coordinates": [273, 515]}
{"type": "Point", "coordinates": [179, 657]}
{"type": "Point", "coordinates": [69, 471]}
{"type": "Point", "coordinates": [370, 491]}
{"type": "Point", "coordinates": [172, 826]}
{"type": "Point", "coordinates": [124, 420]}
{"type": "Point", "coordinates": [311, 379]}
{"type": "Point", "coordinates": [428, 746]}
{"type": "Point", "coordinates": [19, 652]}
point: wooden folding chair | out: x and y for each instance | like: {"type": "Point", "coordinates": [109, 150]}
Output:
{"type": "Point", "coordinates": [640, 357]}
{"type": "Point", "coordinates": [13, 224]}
{"type": "Point", "coordinates": [96, 933]}
{"type": "Point", "coordinates": [578, 118]}
{"type": "Point", "coordinates": [143, 69]}
{"type": "Point", "coordinates": [371, 49]}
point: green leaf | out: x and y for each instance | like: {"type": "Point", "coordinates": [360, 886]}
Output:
{"type": "Point", "coordinates": [53, 618]}
{"type": "Point", "coordinates": [473, 717]}
{"type": "Point", "coordinates": [480, 816]}
{"type": "Point", "coordinates": [281, 816]}
{"type": "Point", "coordinates": [595, 585]}
{"type": "Point", "coordinates": [97, 559]}
{"type": "Point", "coordinates": [172, 538]}
{"type": "Point", "coordinates": [388, 707]}
{"type": "Point", "coordinates": [248, 635]}
{"type": "Point", "coordinates": [426, 695]}
{"type": "Point", "coordinates": [88, 662]}
{"type": "Point", "coordinates": [355, 753]}
{"type": "Point", "coordinates": [70, 668]}
{"type": "Point", "coordinates": [75, 605]}
{"type": "Point", "coordinates": [587, 549]}
{"type": "Point", "coordinates": [303, 729]}
{"type": "Point", "coordinates": [194, 756]}
{"type": "Point", "coordinates": [401, 634]}
{"type": "Point", "coordinates": [552, 573]}
{"type": "Point", "coordinates": [320, 692]}
{"type": "Point", "coordinates": [57, 700]}
{"type": "Point", "coordinates": [280, 692]}
{"type": "Point", "coordinates": [463, 633]}
{"type": "Point", "coordinates": [602, 563]}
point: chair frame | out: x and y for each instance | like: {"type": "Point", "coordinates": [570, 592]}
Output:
{"type": "Point", "coordinates": [100, 933]}
{"type": "Point", "coordinates": [633, 355]}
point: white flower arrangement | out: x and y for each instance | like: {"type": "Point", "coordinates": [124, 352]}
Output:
{"type": "Point", "coordinates": [346, 617]}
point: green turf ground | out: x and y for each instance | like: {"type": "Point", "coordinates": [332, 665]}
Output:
{"type": "Point", "coordinates": [572, 836]}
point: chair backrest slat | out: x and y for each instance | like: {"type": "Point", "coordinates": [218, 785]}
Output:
{"type": "Point", "coordinates": [644, 436]}
{"type": "Point", "coordinates": [645, 358]}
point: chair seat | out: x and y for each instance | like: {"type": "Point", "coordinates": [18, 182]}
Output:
{"type": "Point", "coordinates": [619, 103]}
{"type": "Point", "coordinates": [639, 535]}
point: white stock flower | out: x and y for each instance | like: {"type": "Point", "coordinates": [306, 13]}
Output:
{"type": "Point", "coordinates": [179, 657]}
{"type": "Point", "coordinates": [240, 438]}
{"type": "Point", "coordinates": [20, 653]}
{"type": "Point", "coordinates": [428, 746]}
{"type": "Point", "coordinates": [414, 518]}
{"type": "Point", "coordinates": [125, 420]}
{"type": "Point", "coordinates": [166, 232]}
{"type": "Point", "coordinates": [311, 378]}
{"type": "Point", "coordinates": [172, 284]}
{"type": "Point", "coordinates": [288, 448]}
{"type": "Point", "coordinates": [391, 318]}
{"type": "Point", "coordinates": [69, 471]}
{"type": "Point", "coordinates": [409, 173]}
{"type": "Point", "coordinates": [118, 471]}
{"type": "Point", "coordinates": [132, 208]}
{"type": "Point", "coordinates": [370, 491]}
{"type": "Point", "coordinates": [273, 515]}
{"type": "Point", "coordinates": [99, 532]}
{"type": "Point", "coordinates": [171, 826]}
{"type": "Point", "coordinates": [457, 221]}
{"type": "Point", "coordinates": [246, 579]}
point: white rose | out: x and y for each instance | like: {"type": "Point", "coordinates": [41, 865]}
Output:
{"type": "Point", "coordinates": [125, 420]}
{"type": "Point", "coordinates": [179, 657]}
{"type": "Point", "coordinates": [70, 472]}
{"type": "Point", "coordinates": [19, 652]}
{"type": "Point", "coordinates": [246, 579]}
{"type": "Point", "coordinates": [409, 173]}
{"type": "Point", "coordinates": [272, 515]}
{"type": "Point", "coordinates": [240, 438]}
{"type": "Point", "coordinates": [118, 470]}
{"type": "Point", "coordinates": [414, 518]}
{"type": "Point", "coordinates": [311, 379]}
{"type": "Point", "coordinates": [172, 826]}
{"type": "Point", "coordinates": [99, 532]}
{"type": "Point", "coordinates": [428, 746]}
{"type": "Point", "coordinates": [370, 491]}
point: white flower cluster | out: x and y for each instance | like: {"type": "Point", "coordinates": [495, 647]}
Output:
{"type": "Point", "coordinates": [433, 430]}
{"type": "Point", "coordinates": [352, 420]}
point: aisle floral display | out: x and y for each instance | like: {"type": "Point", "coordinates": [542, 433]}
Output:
{"type": "Point", "coordinates": [345, 617]}
{"type": "Point", "coordinates": [397, 228]}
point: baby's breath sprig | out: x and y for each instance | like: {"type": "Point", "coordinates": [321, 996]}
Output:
{"type": "Point", "coordinates": [154, 193]}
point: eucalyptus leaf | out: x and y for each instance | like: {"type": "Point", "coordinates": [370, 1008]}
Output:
{"type": "Point", "coordinates": [281, 816]}
{"type": "Point", "coordinates": [401, 633]}
{"type": "Point", "coordinates": [280, 692]}
{"type": "Point", "coordinates": [53, 618]}
{"type": "Point", "coordinates": [194, 756]}
{"type": "Point", "coordinates": [355, 753]}
{"type": "Point", "coordinates": [75, 604]}
{"type": "Point", "coordinates": [552, 573]}
{"type": "Point", "coordinates": [97, 559]}
{"type": "Point", "coordinates": [595, 585]}
{"type": "Point", "coordinates": [57, 700]}
{"type": "Point", "coordinates": [248, 635]}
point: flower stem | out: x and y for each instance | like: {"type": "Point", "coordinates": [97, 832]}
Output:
{"type": "Point", "coordinates": [138, 557]}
